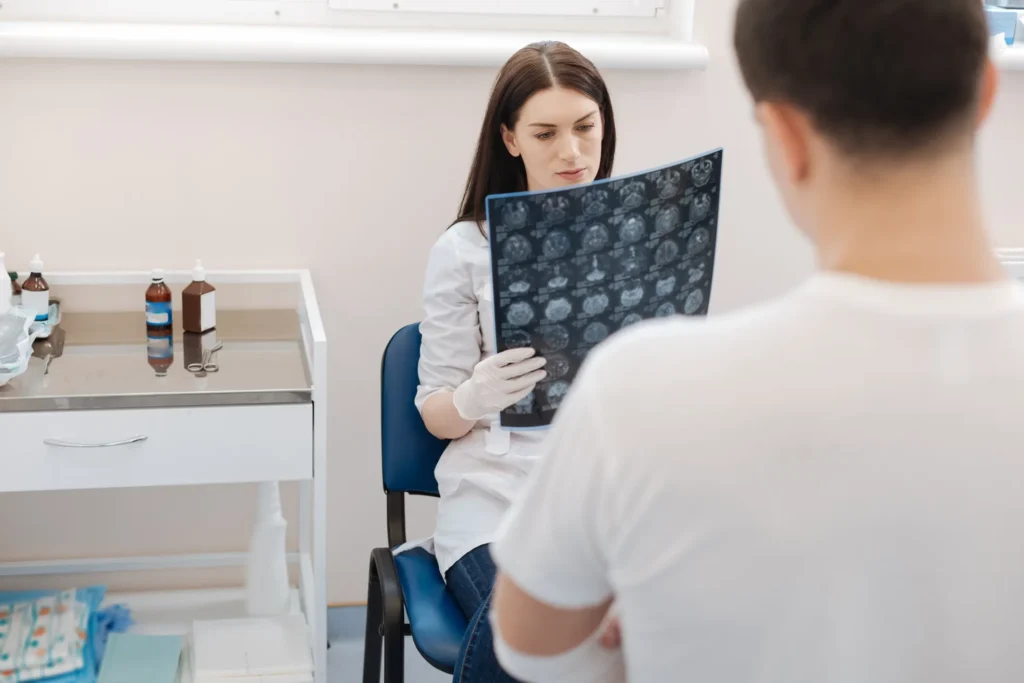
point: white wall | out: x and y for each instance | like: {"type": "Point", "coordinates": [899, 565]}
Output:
{"type": "Point", "coordinates": [351, 172]}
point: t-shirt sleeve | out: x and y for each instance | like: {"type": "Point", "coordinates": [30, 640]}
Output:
{"type": "Point", "coordinates": [553, 542]}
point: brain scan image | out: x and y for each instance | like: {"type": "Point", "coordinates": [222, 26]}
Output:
{"type": "Point", "coordinates": [693, 302]}
{"type": "Point", "coordinates": [595, 237]}
{"type": "Point", "coordinates": [595, 333]}
{"type": "Point", "coordinates": [698, 241]}
{"type": "Point", "coordinates": [556, 393]}
{"type": "Point", "coordinates": [520, 314]}
{"type": "Point", "coordinates": [632, 295]}
{"type": "Point", "coordinates": [633, 229]}
{"type": "Point", "coordinates": [596, 304]}
{"type": "Point", "coordinates": [665, 310]}
{"type": "Point", "coordinates": [634, 262]}
{"type": "Point", "coordinates": [556, 338]}
{"type": "Point", "coordinates": [666, 253]}
{"type": "Point", "coordinates": [556, 245]}
{"type": "Point", "coordinates": [696, 274]}
{"type": "Point", "coordinates": [595, 203]}
{"type": "Point", "coordinates": [573, 266]}
{"type": "Point", "coordinates": [515, 214]}
{"type": "Point", "coordinates": [631, 319]}
{"type": "Point", "coordinates": [632, 195]}
{"type": "Point", "coordinates": [558, 309]}
{"type": "Point", "coordinates": [518, 339]}
{"type": "Point", "coordinates": [702, 171]}
{"type": "Point", "coordinates": [597, 270]}
{"type": "Point", "coordinates": [669, 183]}
{"type": "Point", "coordinates": [667, 220]}
{"type": "Point", "coordinates": [558, 366]}
{"type": "Point", "coordinates": [517, 249]}
{"type": "Point", "coordinates": [555, 208]}
{"type": "Point", "coordinates": [700, 208]}
{"type": "Point", "coordinates": [525, 404]}
{"type": "Point", "coordinates": [665, 286]}
{"type": "Point", "coordinates": [558, 276]}
{"type": "Point", "coordinates": [520, 282]}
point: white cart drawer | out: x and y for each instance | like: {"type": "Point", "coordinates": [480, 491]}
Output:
{"type": "Point", "coordinates": [155, 447]}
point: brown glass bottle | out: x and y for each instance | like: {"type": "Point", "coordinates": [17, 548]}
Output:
{"type": "Point", "coordinates": [35, 292]}
{"type": "Point", "coordinates": [160, 349]}
{"type": "Point", "coordinates": [198, 303]}
{"type": "Point", "coordinates": [158, 303]}
{"type": "Point", "coordinates": [15, 289]}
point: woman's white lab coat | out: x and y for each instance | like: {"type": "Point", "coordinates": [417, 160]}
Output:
{"type": "Point", "coordinates": [458, 332]}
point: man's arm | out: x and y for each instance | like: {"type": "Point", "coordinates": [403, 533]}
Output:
{"type": "Point", "coordinates": [554, 591]}
{"type": "Point", "coordinates": [538, 629]}
{"type": "Point", "coordinates": [566, 646]}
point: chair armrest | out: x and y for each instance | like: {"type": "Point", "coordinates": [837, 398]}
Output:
{"type": "Point", "coordinates": [382, 565]}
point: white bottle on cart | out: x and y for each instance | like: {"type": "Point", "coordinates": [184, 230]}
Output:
{"type": "Point", "coordinates": [268, 591]}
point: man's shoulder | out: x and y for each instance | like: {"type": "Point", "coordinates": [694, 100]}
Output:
{"type": "Point", "coordinates": [676, 343]}
{"type": "Point", "coordinates": [682, 370]}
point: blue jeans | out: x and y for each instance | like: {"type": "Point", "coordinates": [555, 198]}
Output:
{"type": "Point", "coordinates": [470, 581]}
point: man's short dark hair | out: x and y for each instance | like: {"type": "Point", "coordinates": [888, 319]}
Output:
{"type": "Point", "coordinates": [877, 77]}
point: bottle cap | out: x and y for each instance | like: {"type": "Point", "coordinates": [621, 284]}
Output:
{"type": "Point", "coordinates": [158, 275]}
{"type": "Point", "coordinates": [36, 265]}
{"type": "Point", "coordinates": [199, 273]}
{"type": "Point", "coordinates": [13, 274]}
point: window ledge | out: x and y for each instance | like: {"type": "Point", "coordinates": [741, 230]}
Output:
{"type": "Point", "coordinates": [1010, 58]}
{"type": "Point", "coordinates": [26, 39]}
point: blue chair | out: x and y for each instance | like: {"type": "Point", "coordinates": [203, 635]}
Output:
{"type": "Point", "coordinates": [411, 582]}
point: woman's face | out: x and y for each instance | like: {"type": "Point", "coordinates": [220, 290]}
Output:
{"type": "Point", "coordinates": [558, 136]}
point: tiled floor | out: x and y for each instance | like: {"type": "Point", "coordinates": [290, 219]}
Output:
{"type": "Point", "coordinates": [345, 658]}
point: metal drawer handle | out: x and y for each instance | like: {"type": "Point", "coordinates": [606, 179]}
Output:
{"type": "Point", "coordinates": [112, 444]}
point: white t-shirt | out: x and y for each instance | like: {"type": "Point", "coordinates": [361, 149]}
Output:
{"type": "Point", "coordinates": [827, 489]}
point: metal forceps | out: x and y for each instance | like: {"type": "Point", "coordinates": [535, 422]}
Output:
{"type": "Point", "coordinates": [207, 364]}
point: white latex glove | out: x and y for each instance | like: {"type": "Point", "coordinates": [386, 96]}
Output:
{"type": "Point", "coordinates": [499, 382]}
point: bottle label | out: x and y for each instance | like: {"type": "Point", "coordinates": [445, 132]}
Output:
{"type": "Point", "coordinates": [160, 347]}
{"type": "Point", "coordinates": [208, 340]}
{"type": "Point", "coordinates": [37, 302]}
{"type": "Point", "coordinates": [208, 311]}
{"type": "Point", "coordinates": [158, 313]}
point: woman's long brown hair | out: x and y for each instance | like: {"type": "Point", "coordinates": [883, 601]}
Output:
{"type": "Point", "coordinates": [534, 68]}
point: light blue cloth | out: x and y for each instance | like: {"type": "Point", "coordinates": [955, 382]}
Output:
{"type": "Point", "coordinates": [102, 623]}
{"type": "Point", "coordinates": [113, 619]}
{"type": "Point", "coordinates": [133, 658]}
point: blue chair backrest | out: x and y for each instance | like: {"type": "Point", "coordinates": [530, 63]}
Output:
{"type": "Point", "coordinates": [409, 451]}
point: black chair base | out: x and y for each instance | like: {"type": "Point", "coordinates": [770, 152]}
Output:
{"type": "Point", "coordinates": [385, 621]}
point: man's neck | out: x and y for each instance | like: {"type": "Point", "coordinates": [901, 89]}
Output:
{"type": "Point", "coordinates": [920, 224]}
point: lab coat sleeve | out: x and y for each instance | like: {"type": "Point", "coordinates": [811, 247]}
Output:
{"type": "Point", "coordinates": [553, 541]}
{"type": "Point", "coordinates": [451, 323]}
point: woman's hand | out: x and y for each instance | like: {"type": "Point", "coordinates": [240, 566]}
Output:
{"type": "Point", "coordinates": [499, 382]}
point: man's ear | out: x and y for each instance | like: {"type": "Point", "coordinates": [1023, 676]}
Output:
{"type": "Point", "coordinates": [787, 132]}
{"type": "Point", "coordinates": [988, 91]}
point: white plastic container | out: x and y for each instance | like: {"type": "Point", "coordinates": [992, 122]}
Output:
{"type": "Point", "coordinates": [267, 588]}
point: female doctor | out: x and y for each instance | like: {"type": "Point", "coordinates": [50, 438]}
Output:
{"type": "Point", "coordinates": [549, 124]}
